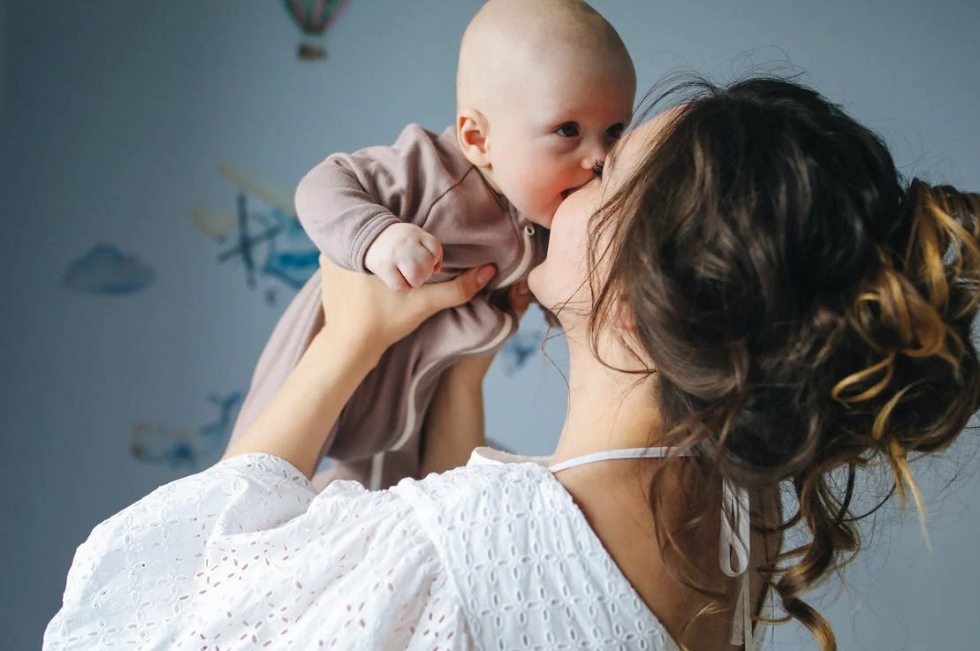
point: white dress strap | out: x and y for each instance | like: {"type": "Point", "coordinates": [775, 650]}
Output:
{"type": "Point", "coordinates": [734, 557]}
{"type": "Point", "coordinates": [606, 455]}
{"type": "Point", "coordinates": [735, 532]}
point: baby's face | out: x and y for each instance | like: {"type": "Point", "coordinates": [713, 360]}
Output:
{"type": "Point", "coordinates": [551, 130]}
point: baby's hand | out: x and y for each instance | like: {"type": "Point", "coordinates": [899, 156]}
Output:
{"type": "Point", "coordinates": [404, 256]}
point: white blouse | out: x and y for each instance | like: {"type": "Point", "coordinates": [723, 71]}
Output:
{"type": "Point", "coordinates": [247, 555]}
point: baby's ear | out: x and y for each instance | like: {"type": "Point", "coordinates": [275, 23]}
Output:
{"type": "Point", "coordinates": [471, 131]}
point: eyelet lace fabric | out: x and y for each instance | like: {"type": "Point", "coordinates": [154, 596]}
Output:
{"type": "Point", "coordinates": [246, 555]}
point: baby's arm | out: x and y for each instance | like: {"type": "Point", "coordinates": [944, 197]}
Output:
{"type": "Point", "coordinates": [358, 209]}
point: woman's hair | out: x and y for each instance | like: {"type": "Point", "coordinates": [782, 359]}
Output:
{"type": "Point", "coordinates": [808, 313]}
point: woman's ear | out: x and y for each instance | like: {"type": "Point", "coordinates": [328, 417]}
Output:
{"type": "Point", "coordinates": [472, 131]}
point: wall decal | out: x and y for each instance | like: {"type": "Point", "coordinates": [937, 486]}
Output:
{"type": "Point", "coordinates": [269, 244]}
{"type": "Point", "coordinates": [187, 449]}
{"type": "Point", "coordinates": [520, 348]}
{"type": "Point", "coordinates": [314, 18]}
{"type": "Point", "coordinates": [107, 270]}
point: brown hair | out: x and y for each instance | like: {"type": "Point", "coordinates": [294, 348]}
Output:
{"type": "Point", "coordinates": [807, 312]}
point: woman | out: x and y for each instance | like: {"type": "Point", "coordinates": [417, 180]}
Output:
{"type": "Point", "coordinates": [751, 299]}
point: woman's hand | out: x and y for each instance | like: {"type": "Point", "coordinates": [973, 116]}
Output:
{"type": "Point", "coordinates": [365, 316]}
{"type": "Point", "coordinates": [363, 312]}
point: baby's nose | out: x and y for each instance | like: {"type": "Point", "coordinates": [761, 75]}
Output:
{"type": "Point", "coordinates": [592, 154]}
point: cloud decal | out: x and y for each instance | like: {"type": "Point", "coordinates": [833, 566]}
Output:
{"type": "Point", "coordinates": [107, 270]}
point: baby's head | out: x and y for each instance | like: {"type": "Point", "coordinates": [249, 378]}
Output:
{"type": "Point", "coordinates": [544, 89]}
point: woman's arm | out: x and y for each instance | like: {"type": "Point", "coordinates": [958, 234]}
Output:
{"type": "Point", "coordinates": [295, 424]}
{"type": "Point", "coordinates": [454, 423]}
{"type": "Point", "coordinates": [366, 317]}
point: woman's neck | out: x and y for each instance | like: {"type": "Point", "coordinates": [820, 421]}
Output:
{"type": "Point", "coordinates": [607, 409]}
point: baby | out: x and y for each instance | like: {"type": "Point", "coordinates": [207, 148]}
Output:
{"type": "Point", "coordinates": [544, 89]}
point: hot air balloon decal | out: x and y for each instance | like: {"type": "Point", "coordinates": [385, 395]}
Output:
{"type": "Point", "coordinates": [314, 18]}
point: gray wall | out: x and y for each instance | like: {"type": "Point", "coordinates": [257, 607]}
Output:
{"type": "Point", "coordinates": [3, 68]}
{"type": "Point", "coordinates": [116, 114]}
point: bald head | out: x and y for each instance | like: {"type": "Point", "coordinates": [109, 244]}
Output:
{"type": "Point", "coordinates": [507, 37]}
{"type": "Point", "coordinates": [544, 89]}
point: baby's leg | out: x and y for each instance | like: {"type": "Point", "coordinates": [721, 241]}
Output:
{"type": "Point", "coordinates": [290, 338]}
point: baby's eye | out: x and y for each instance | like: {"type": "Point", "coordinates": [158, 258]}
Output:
{"type": "Point", "coordinates": [567, 130]}
{"type": "Point", "coordinates": [597, 168]}
{"type": "Point", "coordinates": [615, 131]}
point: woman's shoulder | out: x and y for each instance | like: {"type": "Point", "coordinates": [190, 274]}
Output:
{"type": "Point", "coordinates": [485, 456]}
{"type": "Point", "coordinates": [491, 479]}
{"type": "Point", "coordinates": [523, 559]}
{"type": "Point", "coordinates": [479, 507]}
{"type": "Point", "coordinates": [251, 536]}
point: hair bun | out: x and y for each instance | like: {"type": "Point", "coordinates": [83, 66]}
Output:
{"type": "Point", "coordinates": [916, 316]}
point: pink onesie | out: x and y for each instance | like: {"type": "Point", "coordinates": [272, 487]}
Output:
{"type": "Point", "coordinates": [344, 203]}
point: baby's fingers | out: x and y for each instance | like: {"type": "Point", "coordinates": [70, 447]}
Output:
{"type": "Point", "coordinates": [416, 269]}
{"type": "Point", "coordinates": [392, 277]}
{"type": "Point", "coordinates": [434, 247]}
